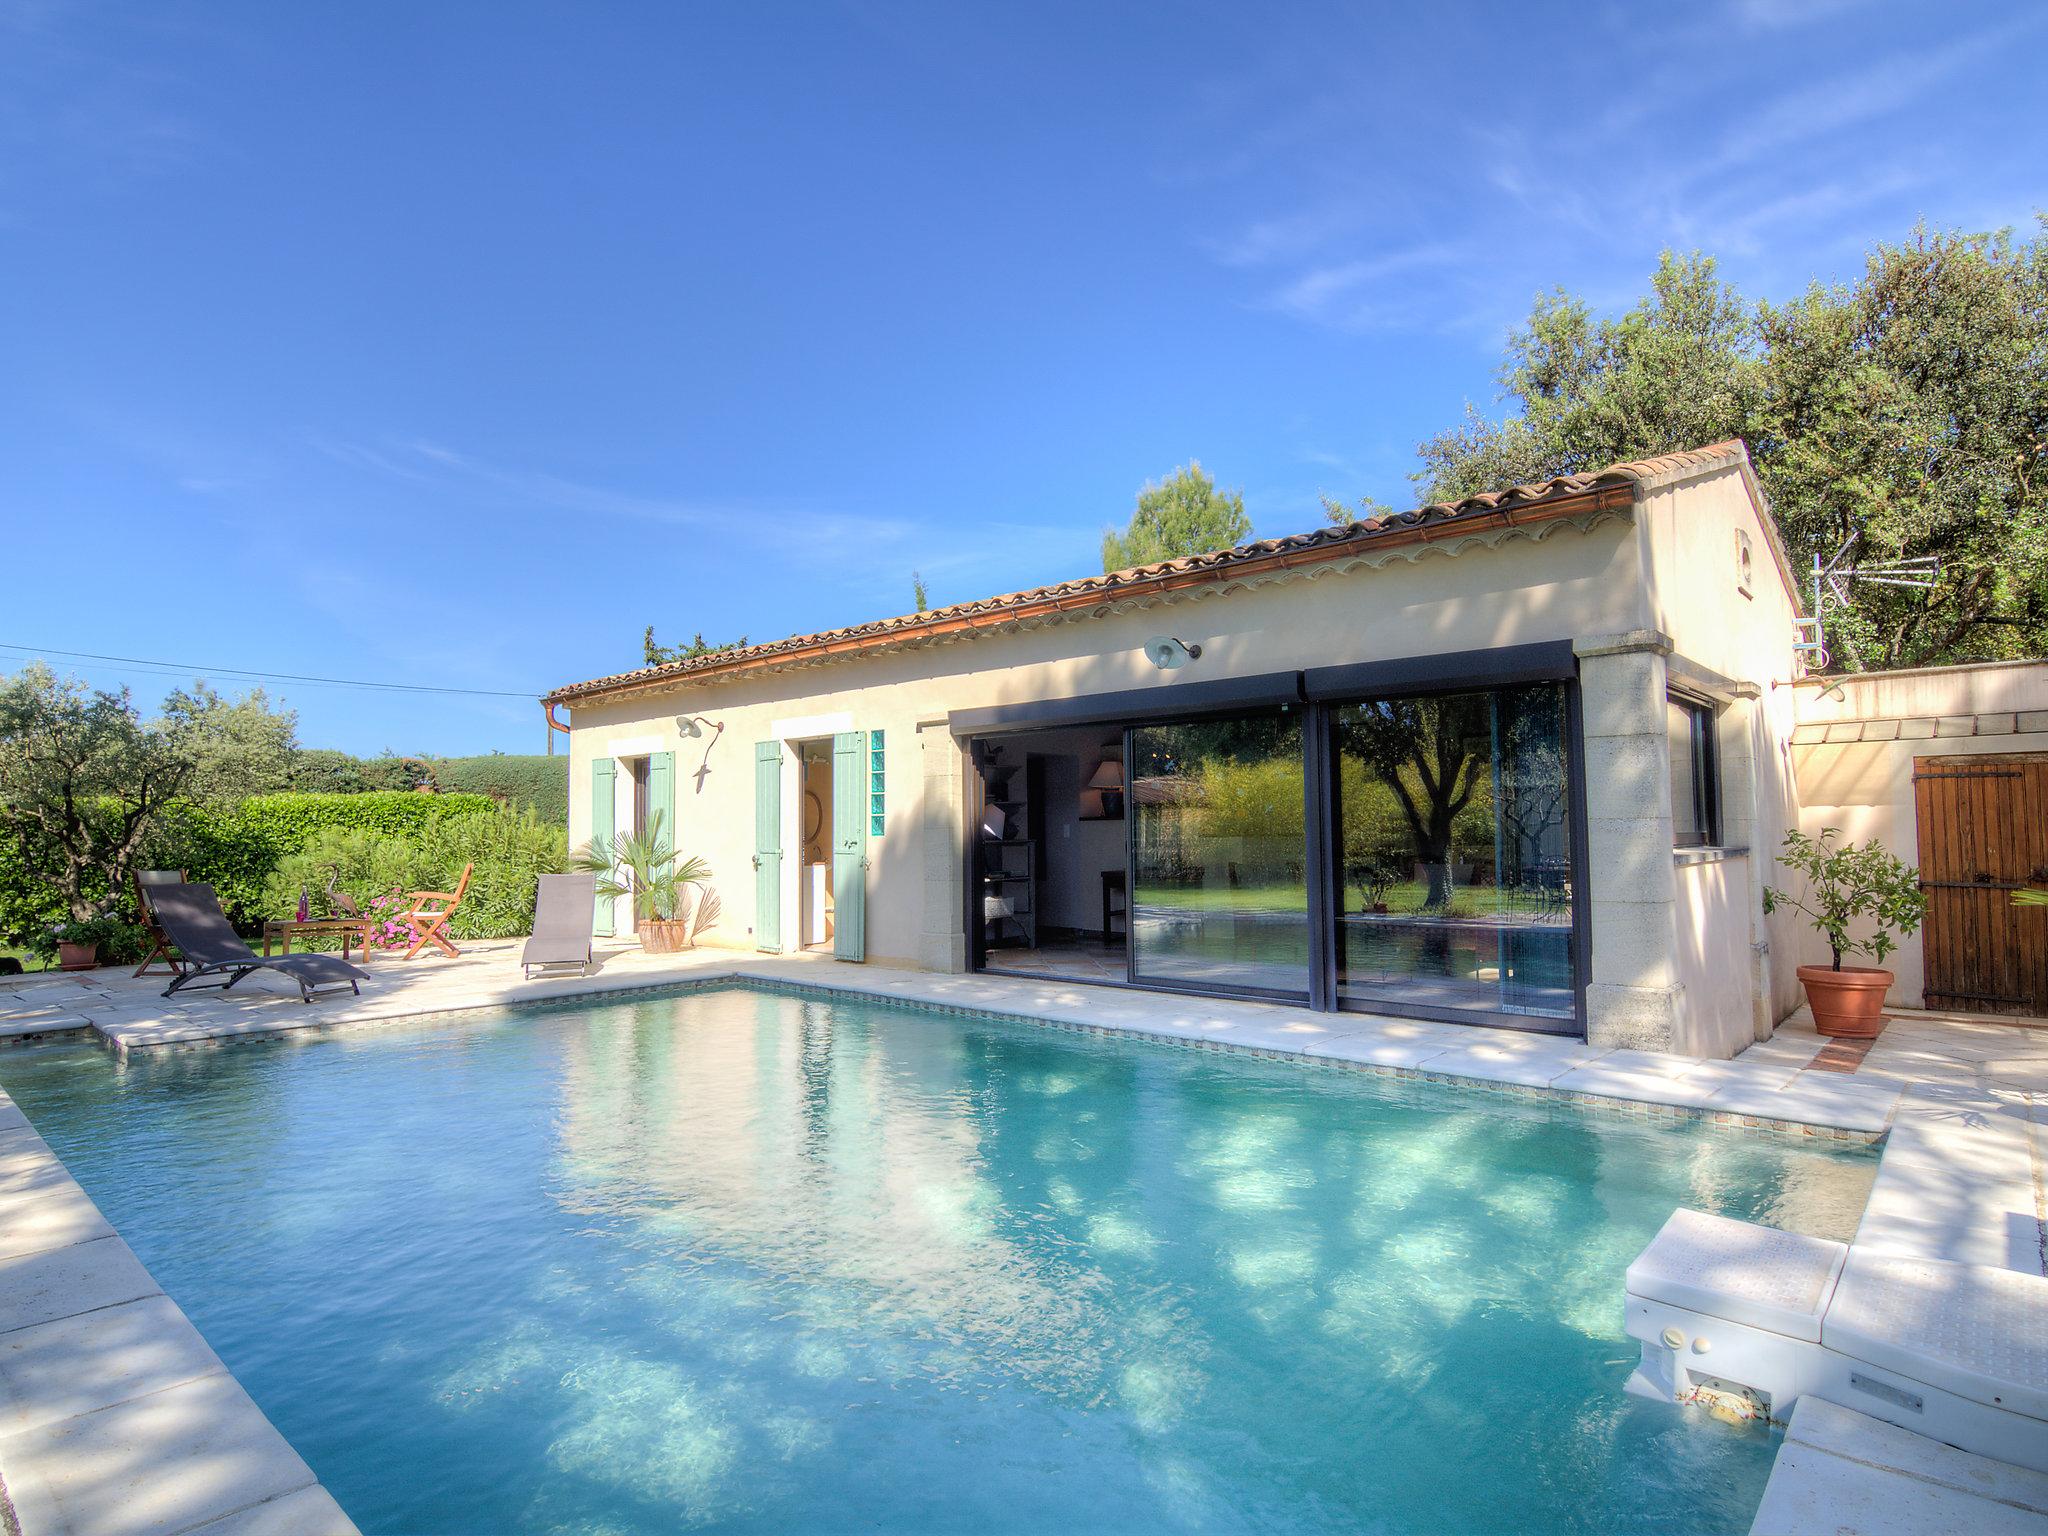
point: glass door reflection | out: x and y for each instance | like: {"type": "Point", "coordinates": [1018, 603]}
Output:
{"type": "Point", "coordinates": [1219, 897]}
{"type": "Point", "coordinates": [1453, 827]}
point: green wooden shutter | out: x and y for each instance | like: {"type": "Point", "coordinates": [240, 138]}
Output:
{"type": "Point", "coordinates": [661, 796]}
{"type": "Point", "coordinates": [603, 772]}
{"type": "Point", "coordinates": [768, 845]}
{"type": "Point", "coordinates": [850, 845]}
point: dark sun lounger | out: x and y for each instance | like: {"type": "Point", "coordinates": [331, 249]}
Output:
{"type": "Point", "coordinates": [563, 915]}
{"type": "Point", "coordinates": [191, 916]}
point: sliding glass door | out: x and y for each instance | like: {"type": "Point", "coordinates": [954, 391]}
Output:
{"type": "Point", "coordinates": [1409, 853]}
{"type": "Point", "coordinates": [1453, 833]}
{"type": "Point", "coordinates": [1219, 891]}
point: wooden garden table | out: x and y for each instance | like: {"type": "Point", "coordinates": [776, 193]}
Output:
{"type": "Point", "coordinates": [282, 929]}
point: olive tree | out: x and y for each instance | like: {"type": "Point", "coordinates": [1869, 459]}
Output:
{"type": "Point", "coordinates": [82, 780]}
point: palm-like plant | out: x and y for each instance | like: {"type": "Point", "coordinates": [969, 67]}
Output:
{"type": "Point", "coordinates": [643, 866]}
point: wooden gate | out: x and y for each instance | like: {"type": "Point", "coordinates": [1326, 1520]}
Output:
{"type": "Point", "coordinates": [1983, 835]}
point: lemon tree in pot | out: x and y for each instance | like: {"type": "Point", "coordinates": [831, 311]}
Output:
{"type": "Point", "coordinates": [1850, 891]}
{"type": "Point", "coordinates": [660, 882]}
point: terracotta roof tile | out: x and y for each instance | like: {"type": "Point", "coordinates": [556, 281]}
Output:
{"type": "Point", "coordinates": [1108, 587]}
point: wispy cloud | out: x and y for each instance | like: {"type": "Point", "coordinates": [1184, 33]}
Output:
{"type": "Point", "coordinates": [1779, 15]}
{"type": "Point", "coordinates": [510, 488]}
{"type": "Point", "coordinates": [1355, 294]}
{"type": "Point", "coordinates": [1892, 85]}
{"type": "Point", "coordinates": [1748, 156]}
{"type": "Point", "coordinates": [76, 115]}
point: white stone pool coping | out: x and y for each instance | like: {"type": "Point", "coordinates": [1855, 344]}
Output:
{"type": "Point", "coordinates": [1961, 1179]}
{"type": "Point", "coordinates": [115, 1415]}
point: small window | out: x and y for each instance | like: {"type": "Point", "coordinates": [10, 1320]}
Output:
{"type": "Point", "coordinates": [1695, 787]}
{"type": "Point", "coordinates": [1745, 563]}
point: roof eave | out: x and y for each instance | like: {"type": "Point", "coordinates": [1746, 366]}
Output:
{"type": "Point", "coordinates": [1619, 492]}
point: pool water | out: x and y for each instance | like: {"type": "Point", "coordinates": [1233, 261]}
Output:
{"type": "Point", "coordinates": [747, 1261]}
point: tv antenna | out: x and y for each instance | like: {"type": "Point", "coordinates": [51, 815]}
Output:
{"type": "Point", "coordinates": [1834, 582]}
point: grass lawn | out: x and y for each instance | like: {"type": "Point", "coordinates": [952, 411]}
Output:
{"type": "Point", "coordinates": [28, 960]}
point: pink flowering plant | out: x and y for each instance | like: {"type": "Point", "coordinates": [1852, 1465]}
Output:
{"type": "Point", "coordinates": [392, 930]}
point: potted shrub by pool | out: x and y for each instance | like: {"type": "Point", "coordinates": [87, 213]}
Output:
{"type": "Point", "coordinates": [1850, 890]}
{"type": "Point", "coordinates": [658, 880]}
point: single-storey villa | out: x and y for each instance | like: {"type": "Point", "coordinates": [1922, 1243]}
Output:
{"type": "Point", "coordinates": [1514, 760]}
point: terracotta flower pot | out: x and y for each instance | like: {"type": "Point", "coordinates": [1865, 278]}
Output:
{"type": "Point", "coordinates": [77, 957]}
{"type": "Point", "coordinates": [664, 935]}
{"type": "Point", "coordinates": [1848, 1003]}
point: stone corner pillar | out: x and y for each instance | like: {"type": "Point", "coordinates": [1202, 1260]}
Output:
{"type": "Point", "coordinates": [1628, 898]}
{"type": "Point", "coordinates": [942, 939]}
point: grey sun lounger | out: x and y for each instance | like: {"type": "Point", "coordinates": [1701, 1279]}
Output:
{"type": "Point", "coordinates": [564, 912]}
{"type": "Point", "coordinates": [191, 916]}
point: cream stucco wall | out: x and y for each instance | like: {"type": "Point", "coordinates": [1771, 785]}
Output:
{"type": "Point", "coordinates": [1682, 953]}
{"type": "Point", "coordinates": [1674, 962]}
{"type": "Point", "coordinates": [1865, 787]}
{"type": "Point", "coordinates": [1525, 590]}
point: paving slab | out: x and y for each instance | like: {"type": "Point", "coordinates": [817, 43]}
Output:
{"type": "Point", "coordinates": [152, 1466]}
{"type": "Point", "coordinates": [1534, 1064]}
{"type": "Point", "coordinates": [1840, 1102]}
{"type": "Point", "coordinates": [42, 1287]}
{"type": "Point", "coordinates": [309, 1512]}
{"type": "Point", "coordinates": [93, 1360]}
{"type": "Point", "coordinates": [34, 1221]}
{"type": "Point", "coordinates": [1404, 1049]}
{"type": "Point", "coordinates": [1845, 1432]}
{"type": "Point", "coordinates": [1812, 1492]}
{"type": "Point", "coordinates": [1608, 1078]}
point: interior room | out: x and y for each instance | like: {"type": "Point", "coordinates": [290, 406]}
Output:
{"type": "Point", "coordinates": [814, 884]}
{"type": "Point", "coordinates": [1051, 897]}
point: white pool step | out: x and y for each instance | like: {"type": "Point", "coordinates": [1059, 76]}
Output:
{"type": "Point", "coordinates": [1956, 1352]}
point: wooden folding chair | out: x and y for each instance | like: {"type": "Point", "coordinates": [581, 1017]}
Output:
{"type": "Point", "coordinates": [160, 946]}
{"type": "Point", "coordinates": [428, 915]}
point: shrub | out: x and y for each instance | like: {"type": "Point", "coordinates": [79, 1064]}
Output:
{"type": "Point", "coordinates": [322, 770]}
{"type": "Point", "coordinates": [510, 849]}
{"type": "Point", "coordinates": [1847, 887]}
{"type": "Point", "coordinates": [236, 849]}
{"type": "Point", "coordinates": [290, 822]}
{"type": "Point", "coordinates": [120, 941]}
{"type": "Point", "coordinates": [533, 781]}
{"type": "Point", "coordinates": [30, 903]}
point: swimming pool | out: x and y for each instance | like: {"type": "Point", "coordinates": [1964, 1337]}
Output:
{"type": "Point", "coordinates": [750, 1261]}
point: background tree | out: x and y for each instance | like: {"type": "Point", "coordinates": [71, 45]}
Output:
{"type": "Point", "coordinates": [82, 781]}
{"type": "Point", "coordinates": [238, 747]}
{"type": "Point", "coordinates": [1910, 410]}
{"type": "Point", "coordinates": [1432, 756]}
{"type": "Point", "coordinates": [1343, 515]}
{"type": "Point", "coordinates": [325, 771]}
{"type": "Point", "coordinates": [1183, 515]}
{"type": "Point", "coordinates": [918, 594]}
{"type": "Point", "coordinates": [1678, 370]}
{"type": "Point", "coordinates": [659, 655]}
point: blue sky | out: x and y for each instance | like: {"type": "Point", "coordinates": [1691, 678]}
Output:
{"type": "Point", "coordinates": [456, 343]}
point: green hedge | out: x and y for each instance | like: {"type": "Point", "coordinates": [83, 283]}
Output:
{"type": "Point", "coordinates": [509, 851]}
{"type": "Point", "coordinates": [533, 781]}
{"type": "Point", "coordinates": [235, 848]}
{"type": "Point", "coordinates": [291, 821]}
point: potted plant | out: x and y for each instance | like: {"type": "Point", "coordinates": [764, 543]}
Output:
{"type": "Point", "coordinates": [76, 944]}
{"type": "Point", "coordinates": [1372, 877]}
{"type": "Point", "coordinates": [1847, 887]}
{"type": "Point", "coordinates": [659, 881]}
